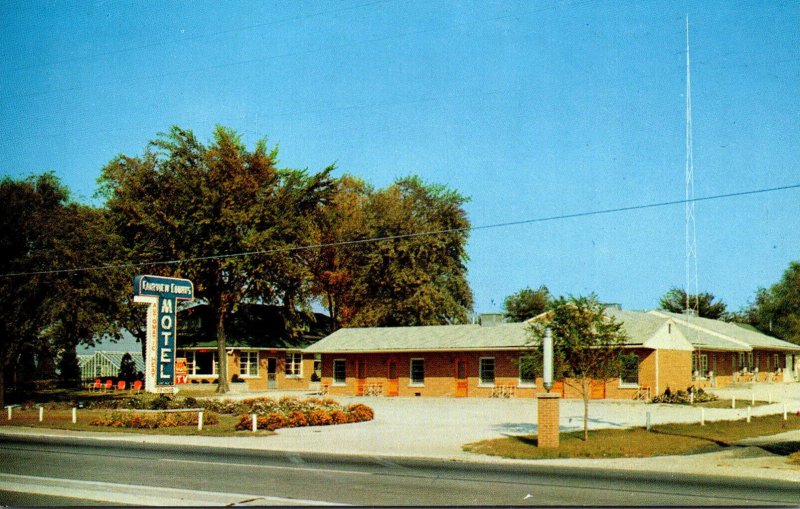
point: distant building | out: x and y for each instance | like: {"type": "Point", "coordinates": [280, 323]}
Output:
{"type": "Point", "coordinates": [104, 364]}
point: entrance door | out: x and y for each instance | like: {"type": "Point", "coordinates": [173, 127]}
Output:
{"type": "Point", "coordinates": [597, 389]}
{"type": "Point", "coordinates": [461, 378]}
{"type": "Point", "coordinates": [272, 373]}
{"type": "Point", "coordinates": [361, 376]}
{"type": "Point", "coordinates": [392, 382]}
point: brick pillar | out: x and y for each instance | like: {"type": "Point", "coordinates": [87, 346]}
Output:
{"type": "Point", "coordinates": [548, 419]}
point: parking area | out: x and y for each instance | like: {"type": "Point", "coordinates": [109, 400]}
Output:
{"type": "Point", "coordinates": [440, 426]}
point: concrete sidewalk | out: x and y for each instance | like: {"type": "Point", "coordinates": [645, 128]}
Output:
{"type": "Point", "coordinates": [439, 427]}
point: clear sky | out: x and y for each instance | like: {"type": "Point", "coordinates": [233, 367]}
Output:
{"type": "Point", "coordinates": [530, 108]}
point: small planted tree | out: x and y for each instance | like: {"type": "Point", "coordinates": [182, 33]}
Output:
{"type": "Point", "coordinates": [587, 345]}
{"type": "Point", "coordinates": [127, 368]}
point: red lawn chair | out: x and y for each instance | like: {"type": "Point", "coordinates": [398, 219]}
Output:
{"type": "Point", "coordinates": [121, 385]}
{"type": "Point", "coordinates": [109, 385]}
{"type": "Point", "coordinates": [137, 386]}
{"type": "Point", "coordinates": [98, 384]}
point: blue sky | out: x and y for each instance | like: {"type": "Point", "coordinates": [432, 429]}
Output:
{"type": "Point", "coordinates": [531, 109]}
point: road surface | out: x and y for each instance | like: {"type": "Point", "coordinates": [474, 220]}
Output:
{"type": "Point", "coordinates": [46, 471]}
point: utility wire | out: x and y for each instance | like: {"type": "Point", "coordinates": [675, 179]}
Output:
{"type": "Point", "coordinates": [411, 235]}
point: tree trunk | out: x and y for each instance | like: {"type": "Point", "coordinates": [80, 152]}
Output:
{"type": "Point", "coordinates": [332, 312]}
{"type": "Point", "coordinates": [222, 356]}
{"type": "Point", "coordinates": [585, 392]}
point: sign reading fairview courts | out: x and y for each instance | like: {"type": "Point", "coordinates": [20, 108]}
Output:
{"type": "Point", "coordinates": [161, 294]}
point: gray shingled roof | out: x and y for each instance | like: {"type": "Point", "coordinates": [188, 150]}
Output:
{"type": "Point", "coordinates": [423, 338]}
{"type": "Point", "coordinates": [705, 333]}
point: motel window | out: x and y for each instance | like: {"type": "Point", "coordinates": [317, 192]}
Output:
{"type": "Point", "coordinates": [750, 361]}
{"type": "Point", "coordinates": [630, 370]}
{"type": "Point", "coordinates": [417, 371]}
{"type": "Point", "coordinates": [777, 364]}
{"type": "Point", "coordinates": [294, 364]}
{"type": "Point", "coordinates": [742, 364]}
{"type": "Point", "coordinates": [527, 372]}
{"type": "Point", "coordinates": [699, 365]}
{"type": "Point", "coordinates": [339, 372]}
{"type": "Point", "coordinates": [248, 363]}
{"type": "Point", "coordinates": [487, 371]}
{"type": "Point", "coordinates": [201, 362]}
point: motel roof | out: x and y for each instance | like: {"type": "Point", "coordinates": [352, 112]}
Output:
{"type": "Point", "coordinates": [708, 334]}
{"type": "Point", "coordinates": [647, 329]}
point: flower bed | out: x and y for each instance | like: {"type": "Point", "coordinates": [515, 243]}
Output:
{"type": "Point", "coordinates": [153, 420]}
{"type": "Point", "coordinates": [684, 397]}
{"type": "Point", "coordinates": [292, 413]}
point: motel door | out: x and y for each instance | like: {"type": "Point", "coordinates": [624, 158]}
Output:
{"type": "Point", "coordinates": [361, 376]}
{"type": "Point", "coordinates": [272, 373]}
{"type": "Point", "coordinates": [461, 378]}
{"type": "Point", "coordinates": [597, 389]}
{"type": "Point", "coordinates": [392, 382]}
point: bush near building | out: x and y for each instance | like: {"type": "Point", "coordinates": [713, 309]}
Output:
{"type": "Point", "coordinates": [292, 413]}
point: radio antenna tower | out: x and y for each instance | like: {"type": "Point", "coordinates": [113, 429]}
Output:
{"type": "Point", "coordinates": [691, 235]}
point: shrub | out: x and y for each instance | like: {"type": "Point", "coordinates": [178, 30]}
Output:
{"type": "Point", "coordinates": [339, 417]}
{"type": "Point", "coordinates": [359, 413]}
{"type": "Point", "coordinates": [152, 421]}
{"type": "Point", "coordinates": [319, 417]}
{"type": "Point", "coordinates": [297, 418]}
{"type": "Point", "coordinates": [161, 402]}
{"type": "Point", "coordinates": [190, 402]}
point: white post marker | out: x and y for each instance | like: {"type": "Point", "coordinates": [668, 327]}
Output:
{"type": "Point", "coordinates": [753, 397]}
{"type": "Point", "coordinates": [784, 411]}
{"type": "Point", "coordinates": [769, 397]}
{"type": "Point", "coordinates": [41, 413]}
{"type": "Point", "coordinates": [733, 401]}
{"type": "Point", "coordinates": [647, 421]}
{"type": "Point", "coordinates": [749, 409]}
{"type": "Point", "coordinates": [74, 415]}
{"type": "Point", "coordinates": [9, 412]}
{"type": "Point", "coordinates": [702, 417]}
{"type": "Point", "coordinates": [255, 422]}
{"type": "Point", "coordinates": [691, 398]}
{"type": "Point", "coordinates": [200, 421]}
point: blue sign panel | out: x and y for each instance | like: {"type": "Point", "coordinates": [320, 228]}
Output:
{"type": "Point", "coordinates": [168, 291]}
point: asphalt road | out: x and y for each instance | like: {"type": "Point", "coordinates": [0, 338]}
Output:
{"type": "Point", "coordinates": [48, 470]}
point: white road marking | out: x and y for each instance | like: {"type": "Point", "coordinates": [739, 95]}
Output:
{"type": "Point", "coordinates": [131, 494]}
{"type": "Point", "coordinates": [270, 467]}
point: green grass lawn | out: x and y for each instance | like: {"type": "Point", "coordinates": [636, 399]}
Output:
{"type": "Point", "coordinates": [62, 419]}
{"type": "Point", "coordinates": [665, 439]}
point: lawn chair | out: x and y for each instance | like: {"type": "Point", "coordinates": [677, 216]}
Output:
{"type": "Point", "coordinates": [137, 386]}
{"type": "Point", "coordinates": [109, 385]}
{"type": "Point", "coordinates": [98, 384]}
{"type": "Point", "coordinates": [121, 385]}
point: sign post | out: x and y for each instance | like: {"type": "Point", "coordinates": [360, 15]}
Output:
{"type": "Point", "coordinates": [161, 294]}
{"type": "Point", "coordinates": [548, 403]}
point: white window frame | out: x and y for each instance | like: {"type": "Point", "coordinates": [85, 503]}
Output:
{"type": "Point", "coordinates": [633, 385]}
{"type": "Point", "coordinates": [481, 383]}
{"type": "Point", "coordinates": [297, 370]}
{"type": "Point", "coordinates": [335, 381]}
{"type": "Point", "coordinates": [524, 383]}
{"type": "Point", "coordinates": [411, 382]}
{"type": "Point", "coordinates": [245, 362]}
{"type": "Point", "coordinates": [193, 363]}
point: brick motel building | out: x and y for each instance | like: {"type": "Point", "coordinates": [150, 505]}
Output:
{"type": "Point", "coordinates": [663, 351]}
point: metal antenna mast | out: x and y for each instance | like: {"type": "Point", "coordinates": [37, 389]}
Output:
{"type": "Point", "coordinates": [691, 235]}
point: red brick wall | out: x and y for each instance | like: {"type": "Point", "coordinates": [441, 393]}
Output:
{"type": "Point", "coordinates": [440, 374]}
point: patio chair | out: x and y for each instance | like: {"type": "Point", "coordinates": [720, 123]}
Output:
{"type": "Point", "coordinates": [137, 386]}
{"type": "Point", "coordinates": [121, 385]}
{"type": "Point", "coordinates": [98, 384]}
{"type": "Point", "coordinates": [109, 385]}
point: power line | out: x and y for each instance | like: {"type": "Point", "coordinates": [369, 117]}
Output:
{"type": "Point", "coordinates": [409, 235]}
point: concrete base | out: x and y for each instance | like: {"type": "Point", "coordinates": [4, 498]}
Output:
{"type": "Point", "coordinates": [548, 422]}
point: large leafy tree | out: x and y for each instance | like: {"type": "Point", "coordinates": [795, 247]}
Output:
{"type": "Point", "coordinates": [205, 207]}
{"type": "Point", "coordinates": [46, 307]}
{"type": "Point", "coordinates": [408, 278]}
{"type": "Point", "coordinates": [776, 310]}
{"type": "Point", "coordinates": [526, 303]}
{"type": "Point", "coordinates": [587, 345]}
{"type": "Point", "coordinates": [675, 301]}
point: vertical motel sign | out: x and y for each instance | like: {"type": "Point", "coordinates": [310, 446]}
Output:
{"type": "Point", "coordinates": [161, 294]}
